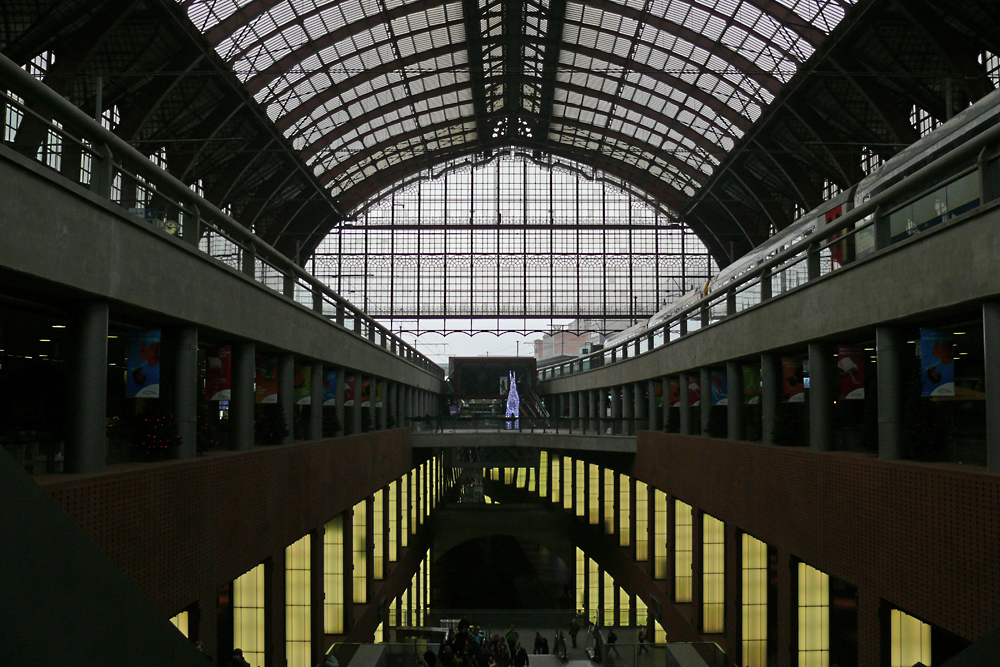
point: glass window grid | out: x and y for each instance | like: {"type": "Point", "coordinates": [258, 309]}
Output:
{"type": "Point", "coordinates": [683, 551]}
{"type": "Point", "coordinates": [298, 603]}
{"type": "Point", "coordinates": [713, 574]}
{"type": "Point", "coordinates": [754, 602]}
{"type": "Point", "coordinates": [813, 617]}
{"type": "Point", "coordinates": [359, 539]}
{"type": "Point", "coordinates": [624, 511]}
{"type": "Point", "coordinates": [248, 614]}
{"type": "Point", "coordinates": [333, 576]}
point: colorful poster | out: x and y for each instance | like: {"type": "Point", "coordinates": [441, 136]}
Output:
{"type": "Point", "coordinates": [330, 388]}
{"type": "Point", "coordinates": [793, 390]}
{"type": "Point", "coordinates": [219, 373]}
{"type": "Point", "coordinates": [937, 370]}
{"type": "Point", "coordinates": [302, 385]}
{"type": "Point", "coordinates": [349, 391]}
{"type": "Point", "coordinates": [675, 393]}
{"type": "Point", "coordinates": [694, 390]}
{"type": "Point", "coordinates": [851, 372]}
{"type": "Point", "coordinates": [266, 381]}
{"type": "Point", "coordinates": [379, 394]}
{"type": "Point", "coordinates": [366, 393]}
{"type": "Point", "coordinates": [720, 388]}
{"type": "Point", "coordinates": [143, 362]}
{"type": "Point", "coordinates": [751, 385]}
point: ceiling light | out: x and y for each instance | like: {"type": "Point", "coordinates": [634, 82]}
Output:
{"type": "Point", "coordinates": [58, 326]}
{"type": "Point", "coordinates": [44, 340]}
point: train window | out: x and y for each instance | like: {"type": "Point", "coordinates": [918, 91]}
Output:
{"type": "Point", "coordinates": [930, 209]}
{"type": "Point", "coordinates": [963, 195]}
{"type": "Point", "coordinates": [901, 223]}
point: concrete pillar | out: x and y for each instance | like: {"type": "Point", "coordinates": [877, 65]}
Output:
{"type": "Point", "coordinates": [593, 413]}
{"type": "Point", "coordinates": [991, 363]}
{"type": "Point", "coordinates": [685, 404]}
{"type": "Point", "coordinates": [315, 430]}
{"type": "Point", "coordinates": [889, 348]}
{"type": "Point", "coordinates": [602, 410]}
{"type": "Point", "coordinates": [628, 408]}
{"type": "Point", "coordinates": [574, 411]}
{"type": "Point", "coordinates": [706, 399]}
{"type": "Point", "coordinates": [655, 420]}
{"type": "Point", "coordinates": [616, 410]}
{"type": "Point", "coordinates": [734, 405]}
{"type": "Point", "coordinates": [86, 448]}
{"type": "Point", "coordinates": [641, 403]}
{"type": "Point", "coordinates": [378, 413]}
{"type": "Point", "coordinates": [770, 395]}
{"type": "Point", "coordinates": [341, 384]}
{"type": "Point", "coordinates": [286, 398]}
{"type": "Point", "coordinates": [186, 391]}
{"type": "Point", "coordinates": [241, 397]}
{"type": "Point", "coordinates": [822, 394]}
{"type": "Point", "coordinates": [390, 402]}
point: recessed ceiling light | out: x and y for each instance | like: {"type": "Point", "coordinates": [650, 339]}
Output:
{"type": "Point", "coordinates": [112, 336]}
{"type": "Point", "coordinates": [44, 340]}
{"type": "Point", "coordinates": [58, 326]}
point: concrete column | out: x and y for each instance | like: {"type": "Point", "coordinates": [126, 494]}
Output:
{"type": "Point", "coordinates": [628, 409]}
{"type": "Point", "coordinates": [592, 410]}
{"type": "Point", "coordinates": [356, 410]}
{"type": "Point", "coordinates": [770, 395]}
{"type": "Point", "coordinates": [390, 402]}
{"type": "Point", "coordinates": [734, 405]}
{"type": "Point", "coordinates": [641, 401]}
{"type": "Point", "coordinates": [378, 413]}
{"type": "Point", "coordinates": [616, 410]}
{"type": "Point", "coordinates": [186, 391]}
{"type": "Point", "coordinates": [685, 404]}
{"type": "Point", "coordinates": [315, 430]}
{"type": "Point", "coordinates": [602, 410]}
{"type": "Point", "coordinates": [574, 411]}
{"type": "Point", "coordinates": [655, 416]}
{"type": "Point", "coordinates": [241, 397]}
{"type": "Point", "coordinates": [991, 359]}
{"type": "Point", "coordinates": [889, 348]}
{"type": "Point", "coordinates": [822, 394]}
{"type": "Point", "coordinates": [87, 446]}
{"type": "Point", "coordinates": [286, 399]}
{"type": "Point", "coordinates": [341, 384]}
{"type": "Point", "coordinates": [706, 399]}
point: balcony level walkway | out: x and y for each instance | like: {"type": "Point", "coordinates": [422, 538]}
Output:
{"type": "Point", "coordinates": [541, 438]}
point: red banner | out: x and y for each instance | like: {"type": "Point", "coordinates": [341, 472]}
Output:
{"type": "Point", "coordinates": [851, 372]}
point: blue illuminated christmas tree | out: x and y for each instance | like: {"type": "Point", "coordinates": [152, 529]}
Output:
{"type": "Point", "coordinates": [513, 404]}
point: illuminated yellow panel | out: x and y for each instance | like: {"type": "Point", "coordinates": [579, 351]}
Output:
{"type": "Point", "coordinates": [609, 600]}
{"type": "Point", "coordinates": [624, 607]}
{"type": "Point", "coordinates": [713, 574]}
{"type": "Point", "coordinates": [508, 475]}
{"type": "Point", "coordinates": [378, 535]}
{"type": "Point", "coordinates": [394, 613]}
{"type": "Point", "coordinates": [624, 511]}
{"type": "Point", "coordinates": [593, 590]}
{"type": "Point", "coordinates": [543, 474]}
{"type": "Point", "coordinates": [814, 617]}
{"type": "Point", "coordinates": [414, 501]}
{"type": "Point", "coordinates": [522, 477]}
{"type": "Point", "coordinates": [393, 522]}
{"type": "Point", "coordinates": [581, 579]}
{"type": "Point", "coordinates": [581, 488]}
{"type": "Point", "coordinates": [380, 633]}
{"type": "Point", "coordinates": [595, 495]}
{"type": "Point", "coordinates": [248, 615]}
{"type": "Point", "coordinates": [754, 602]}
{"type": "Point", "coordinates": [555, 480]}
{"type": "Point", "coordinates": [683, 558]}
{"type": "Point", "coordinates": [609, 502]}
{"type": "Point", "coordinates": [333, 575]}
{"type": "Point", "coordinates": [910, 640]}
{"type": "Point", "coordinates": [531, 480]}
{"type": "Point", "coordinates": [659, 534]}
{"type": "Point", "coordinates": [659, 634]}
{"type": "Point", "coordinates": [404, 608]}
{"type": "Point", "coordinates": [404, 511]}
{"type": "Point", "coordinates": [641, 521]}
{"type": "Point", "coordinates": [180, 622]}
{"type": "Point", "coordinates": [360, 551]}
{"type": "Point", "coordinates": [641, 612]}
{"type": "Point", "coordinates": [298, 603]}
{"type": "Point", "coordinates": [567, 480]}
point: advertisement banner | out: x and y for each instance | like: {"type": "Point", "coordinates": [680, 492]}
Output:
{"type": "Point", "coordinates": [302, 385]}
{"type": "Point", "coordinates": [266, 381]}
{"type": "Point", "coordinates": [937, 370]}
{"type": "Point", "coordinates": [851, 372]}
{"type": "Point", "coordinates": [330, 388]}
{"type": "Point", "coordinates": [720, 388]}
{"type": "Point", "coordinates": [143, 363]}
{"type": "Point", "coordinates": [675, 392]}
{"type": "Point", "coordinates": [751, 385]}
{"type": "Point", "coordinates": [218, 373]}
{"type": "Point", "coordinates": [793, 390]}
{"type": "Point", "coordinates": [349, 391]}
{"type": "Point", "coordinates": [694, 390]}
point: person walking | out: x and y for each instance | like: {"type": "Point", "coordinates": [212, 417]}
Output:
{"type": "Point", "coordinates": [574, 628]}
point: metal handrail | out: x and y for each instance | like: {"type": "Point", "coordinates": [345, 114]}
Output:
{"type": "Point", "coordinates": [941, 166]}
{"type": "Point", "coordinates": [38, 97]}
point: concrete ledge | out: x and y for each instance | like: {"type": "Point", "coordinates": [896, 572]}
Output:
{"type": "Point", "coordinates": [551, 440]}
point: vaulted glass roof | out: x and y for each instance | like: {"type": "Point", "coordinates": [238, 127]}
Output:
{"type": "Point", "coordinates": [652, 92]}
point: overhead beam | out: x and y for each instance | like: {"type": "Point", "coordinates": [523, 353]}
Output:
{"type": "Point", "coordinates": [894, 119]}
{"type": "Point", "coordinates": [474, 48]}
{"type": "Point", "coordinates": [555, 19]}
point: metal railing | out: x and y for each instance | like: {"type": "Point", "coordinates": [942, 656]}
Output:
{"type": "Point", "coordinates": [870, 227]}
{"type": "Point", "coordinates": [569, 425]}
{"type": "Point", "coordinates": [82, 150]}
